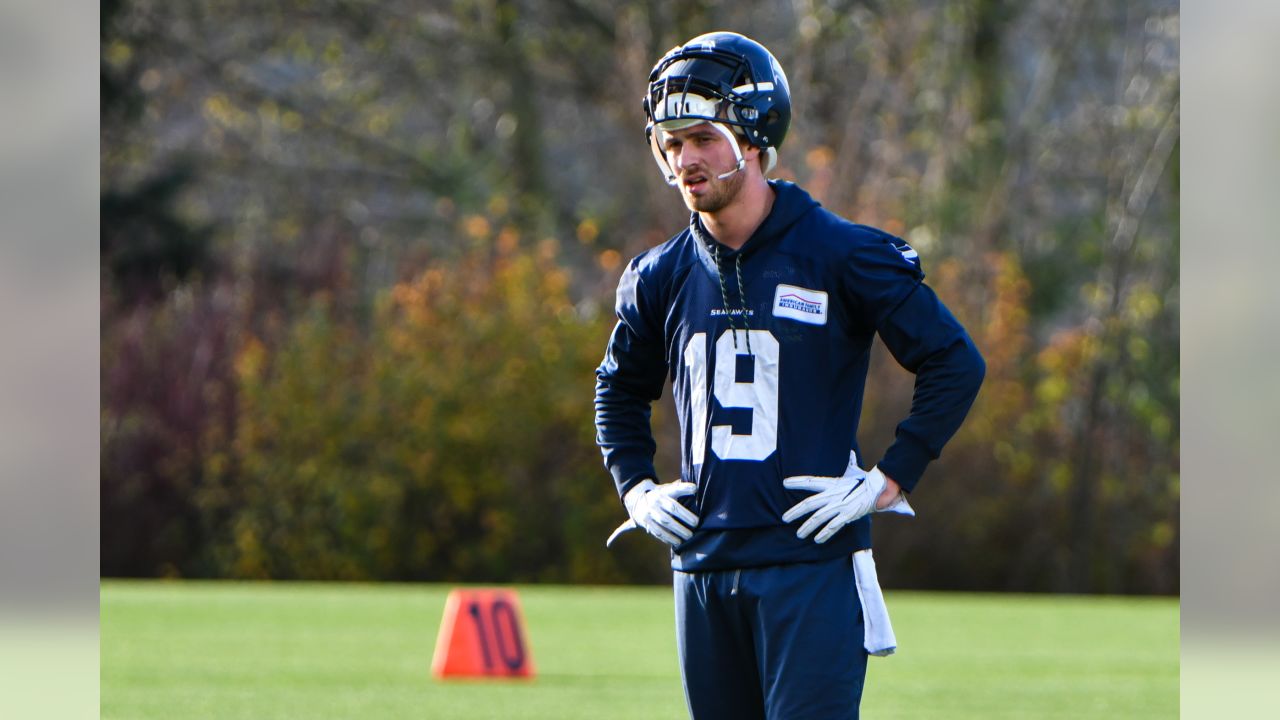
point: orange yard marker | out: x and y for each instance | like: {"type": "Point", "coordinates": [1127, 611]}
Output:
{"type": "Point", "coordinates": [482, 635]}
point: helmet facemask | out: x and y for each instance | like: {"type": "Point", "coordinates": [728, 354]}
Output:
{"type": "Point", "coordinates": [698, 107]}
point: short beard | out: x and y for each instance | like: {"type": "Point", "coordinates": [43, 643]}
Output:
{"type": "Point", "coordinates": [722, 192]}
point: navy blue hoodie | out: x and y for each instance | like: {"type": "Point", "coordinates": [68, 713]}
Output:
{"type": "Point", "coordinates": [768, 357]}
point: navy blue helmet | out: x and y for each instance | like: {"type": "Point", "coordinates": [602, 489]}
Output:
{"type": "Point", "coordinates": [726, 79]}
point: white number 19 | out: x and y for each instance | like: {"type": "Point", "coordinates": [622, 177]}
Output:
{"type": "Point", "coordinates": [760, 396]}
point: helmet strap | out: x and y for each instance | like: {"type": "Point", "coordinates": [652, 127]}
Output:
{"type": "Point", "coordinates": [661, 158]}
{"type": "Point", "coordinates": [770, 160]}
{"type": "Point", "coordinates": [737, 151]}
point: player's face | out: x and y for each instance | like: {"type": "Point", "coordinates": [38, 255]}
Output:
{"type": "Point", "coordinates": [699, 155]}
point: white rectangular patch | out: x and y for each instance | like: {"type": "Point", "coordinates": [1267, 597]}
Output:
{"type": "Point", "coordinates": [797, 303]}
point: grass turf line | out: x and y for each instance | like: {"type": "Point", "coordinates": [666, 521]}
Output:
{"type": "Point", "coordinates": [314, 650]}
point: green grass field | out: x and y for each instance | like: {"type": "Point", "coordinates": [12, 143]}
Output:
{"type": "Point", "coordinates": [301, 650]}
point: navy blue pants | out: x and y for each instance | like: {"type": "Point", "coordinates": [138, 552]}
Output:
{"type": "Point", "coordinates": [781, 642]}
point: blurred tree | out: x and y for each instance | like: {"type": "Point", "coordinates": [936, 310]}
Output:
{"type": "Point", "coordinates": [164, 331]}
{"type": "Point", "coordinates": [146, 245]}
{"type": "Point", "coordinates": [450, 442]}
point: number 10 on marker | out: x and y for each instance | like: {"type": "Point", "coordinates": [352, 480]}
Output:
{"type": "Point", "coordinates": [482, 635]}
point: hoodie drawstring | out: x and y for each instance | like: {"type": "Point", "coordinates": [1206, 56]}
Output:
{"type": "Point", "coordinates": [714, 247]}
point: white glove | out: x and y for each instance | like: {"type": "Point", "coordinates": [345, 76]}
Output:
{"type": "Point", "coordinates": [655, 508]}
{"type": "Point", "coordinates": [839, 501]}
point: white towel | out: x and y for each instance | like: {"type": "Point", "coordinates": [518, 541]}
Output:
{"type": "Point", "coordinates": [877, 630]}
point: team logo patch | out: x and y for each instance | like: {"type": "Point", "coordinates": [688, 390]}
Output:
{"type": "Point", "coordinates": [797, 303]}
{"type": "Point", "coordinates": [908, 253]}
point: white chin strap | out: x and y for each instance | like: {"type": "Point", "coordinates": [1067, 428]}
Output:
{"type": "Point", "coordinates": [737, 151]}
{"type": "Point", "coordinates": [661, 159]}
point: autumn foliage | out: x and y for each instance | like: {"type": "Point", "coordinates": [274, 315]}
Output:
{"type": "Point", "coordinates": [358, 265]}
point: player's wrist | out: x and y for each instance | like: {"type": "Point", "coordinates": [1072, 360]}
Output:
{"type": "Point", "coordinates": [633, 496]}
{"type": "Point", "coordinates": [890, 494]}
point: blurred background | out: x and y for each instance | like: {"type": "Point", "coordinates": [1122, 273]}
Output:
{"type": "Point", "coordinates": [358, 263]}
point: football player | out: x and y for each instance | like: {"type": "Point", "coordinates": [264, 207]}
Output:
{"type": "Point", "coordinates": [762, 312]}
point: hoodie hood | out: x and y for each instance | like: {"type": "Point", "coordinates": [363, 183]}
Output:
{"type": "Point", "coordinates": [790, 203]}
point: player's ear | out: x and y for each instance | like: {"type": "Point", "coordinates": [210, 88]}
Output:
{"type": "Point", "coordinates": [751, 153]}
